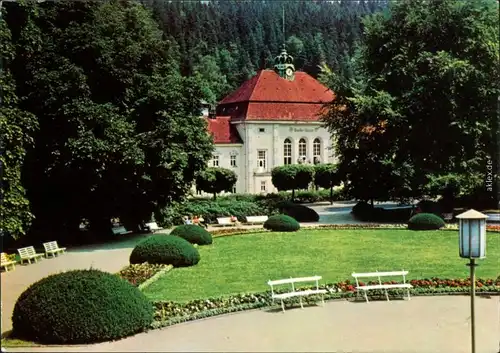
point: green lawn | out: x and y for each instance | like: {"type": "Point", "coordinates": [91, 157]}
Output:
{"type": "Point", "coordinates": [244, 263]}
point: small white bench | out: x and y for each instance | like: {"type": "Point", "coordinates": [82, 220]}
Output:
{"type": "Point", "coordinates": [28, 253]}
{"type": "Point", "coordinates": [256, 219]}
{"type": "Point", "coordinates": [120, 230]}
{"type": "Point", "coordinates": [153, 227]}
{"type": "Point", "coordinates": [51, 248]}
{"type": "Point", "coordinates": [6, 262]}
{"type": "Point", "coordinates": [385, 287]}
{"type": "Point", "coordinates": [447, 217]}
{"type": "Point", "coordinates": [226, 221]}
{"type": "Point", "coordinates": [294, 292]}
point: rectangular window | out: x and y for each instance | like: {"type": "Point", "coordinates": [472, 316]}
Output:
{"type": "Point", "coordinates": [233, 161]}
{"type": "Point", "coordinates": [262, 129]}
{"type": "Point", "coordinates": [261, 159]}
{"type": "Point", "coordinates": [215, 161]}
{"type": "Point", "coordinates": [316, 150]}
{"type": "Point", "coordinates": [263, 186]}
{"type": "Point", "coordinates": [287, 154]}
{"type": "Point", "coordinates": [302, 149]}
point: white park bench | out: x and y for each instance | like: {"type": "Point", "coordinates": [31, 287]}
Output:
{"type": "Point", "coordinates": [120, 230]}
{"type": "Point", "coordinates": [28, 253]}
{"type": "Point", "coordinates": [51, 248]}
{"type": "Point", "coordinates": [447, 217]}
{"type": "Point", "coordinates": [294, 292]}
{"type": "Point", "coordinates": [225, 221]}
{"type": "Point", "coordinates": [256, 219]}
{"type": "Point", "coordinates": [153, 227]}
{"type": "Point", "coordinates": [385, 287]}
{"type": "Point", "coordinates": [6, 262]}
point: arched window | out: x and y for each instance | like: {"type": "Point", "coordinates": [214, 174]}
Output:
{"type": "Point", "coordinates": [317, 149]}
{"type": "Point", "coordinates": [287, 152]}
{"type": "Point", "coordinates": [302, 149]}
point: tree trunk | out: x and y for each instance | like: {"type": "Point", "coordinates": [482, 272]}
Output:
{"type": "Point", "coordinates": [371, 201]}
{"type": "Point", "coordinates": [100, 226]}
{"type": "Point", "coordinates": [293, 194]}
{"type": "Point", "coordinates": [331, 194]}
{"type": "Point", "coordinates": [215, 196]}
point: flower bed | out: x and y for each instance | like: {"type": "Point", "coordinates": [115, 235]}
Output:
{"type": "Point", "coordinates": [493, 227]}
{"type": "Point", "coordinates": [169, 313]}
{"type": "Point", "coordinates": [234, 231]}
{"type": "Point", "coordinates": [138, 274]}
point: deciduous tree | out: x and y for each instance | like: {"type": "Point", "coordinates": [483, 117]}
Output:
{"type": "Point", "coordinates": [326, 176]}
{"type": "Point", "coordinates": [215, 180]}
{"type": "Point", "coordinates": [120, 133]}
{"type": "Point", "coordinates": [292, 177]}
{"type": "Point", "coordinates": [16, 134]}
{"type": "Point", "coordinates": [427, 101]}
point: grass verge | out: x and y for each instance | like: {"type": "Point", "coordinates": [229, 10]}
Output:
{"type": "Point", "coordinates": [244, 263]}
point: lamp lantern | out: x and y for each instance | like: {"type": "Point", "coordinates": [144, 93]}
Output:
{"type": "Point", "coordinates": [472, 246]}
{"type": "Point", "coordinates": [472, 235]}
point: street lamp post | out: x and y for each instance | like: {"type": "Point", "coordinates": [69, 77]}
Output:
{"type": "Point", "coordinates": [472, 246]}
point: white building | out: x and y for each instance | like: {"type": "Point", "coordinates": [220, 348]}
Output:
{"type": "Point", "coordinates": [271, 120]}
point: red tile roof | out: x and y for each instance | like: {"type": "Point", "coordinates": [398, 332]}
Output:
{"type": "Point", "coordinates": [267, 96]}
{"type": "Point", "coordinates": [284, 111]}
{"type": "Point", "coordinates": [268, 86]}
{"type": "Point", "coordinates": [222, 130]}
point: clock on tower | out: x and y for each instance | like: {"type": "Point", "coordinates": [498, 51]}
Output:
{"type": "Point", "coordinates": [283, 65]}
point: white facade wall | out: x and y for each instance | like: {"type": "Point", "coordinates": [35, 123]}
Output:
{"type": "Point", "coordinates": [269, 136]}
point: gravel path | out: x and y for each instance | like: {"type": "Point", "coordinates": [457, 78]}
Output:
{"type": "Point", "coordinates": [423, 324]}
{"type": "Point", "coordinates": [107, 257]}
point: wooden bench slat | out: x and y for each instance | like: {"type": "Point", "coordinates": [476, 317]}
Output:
{"type": "Point", "coordinates": [381, 274]}
{"type": "Point", "coordinates": [120, 230]}
{"type": "Point", "coordinates": [256, 219]}
{"type": "Point", "coordinates": [384, 286]}
{"type": "Point", "coordinates": [225, 221]}
{"type": "Point", "coordinates": [294, 280]}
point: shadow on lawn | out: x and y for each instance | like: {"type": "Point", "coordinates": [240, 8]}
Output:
{"type": "Point", "coordinates": [119, 242]}
{"type": "Point", "coordinates": [82, 244]}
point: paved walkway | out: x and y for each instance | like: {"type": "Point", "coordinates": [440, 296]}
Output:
{"type": "Point", "coordinates": [423, 324]}
{"type": "Point", "coordinates": [109, 257]}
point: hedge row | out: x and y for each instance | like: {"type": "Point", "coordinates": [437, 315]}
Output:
{"type": "Point", "coordinates": [368, 213]}
{"type": "Point", "coordinates": [302, 196]}
{"type": "Point", "coordinates": [238, 205]}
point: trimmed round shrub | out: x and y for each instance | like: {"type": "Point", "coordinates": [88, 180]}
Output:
{"type": "Point", "coordinates": [300, 213]}
{"type": "Point", "coordinates": [363, 211]}
{"type": "Point", "coordinates": [81, 306]}
{"type": "Point", "coordinates": [425, 221]}
{"type": "Point", "coordinates": [193, 234]}
{"type": "Point", "coordinates": [282, 223]}
{"type": "Point", "coordinates": [165, 249]}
